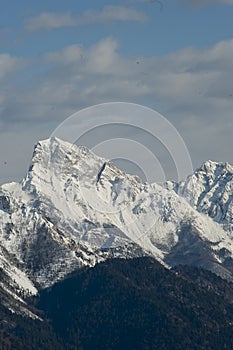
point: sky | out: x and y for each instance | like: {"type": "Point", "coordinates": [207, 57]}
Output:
{"type": "Point", "coordinates": [58, 57]}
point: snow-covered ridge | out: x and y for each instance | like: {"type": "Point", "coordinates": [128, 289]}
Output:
{"type": "Point", "coordinates": [75, 209]}
{"type": "Point", "coordinates": [210, 191]}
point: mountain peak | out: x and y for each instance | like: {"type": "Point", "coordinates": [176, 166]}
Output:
{"type": "Point", "coordinates": [55, 158]}
{"type": "Point", "coordinates": [54, 147]}
{"type": "Point", "coordinates": [210, 191]}
{"type": "Point", "coordinates": [211, 166]}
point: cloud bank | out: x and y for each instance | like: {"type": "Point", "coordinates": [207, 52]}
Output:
{"type": "Point", "coordinates": [193, 88]}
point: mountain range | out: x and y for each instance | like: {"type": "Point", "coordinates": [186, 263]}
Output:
{"type": "Point", "coordinates": [74, 210]}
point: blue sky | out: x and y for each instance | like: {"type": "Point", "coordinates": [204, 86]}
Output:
{"type": "Point", "coordinates": [174, 56]}
{"type": "Point", "coordinates": [168, 26]}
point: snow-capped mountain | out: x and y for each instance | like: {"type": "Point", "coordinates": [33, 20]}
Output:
{"type": "Point", "coordinates": [210, 191]}
{"type": "Point", "coordinates": [75, 209]}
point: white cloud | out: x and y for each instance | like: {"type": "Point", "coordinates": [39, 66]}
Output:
{"type": "Point", "coordinates": [9, 64]}
{"type": "Point", "coordinates": [69, 55]}
{"type": "Point", "coordinates": [101, 58]}
{"type": "Point", "coordinates": [78, 75]}
{"type": "Point", "coordinates": [51, 20]}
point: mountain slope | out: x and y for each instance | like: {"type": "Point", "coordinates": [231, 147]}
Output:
{"type": "Point", "coordinates": [139, 304]}
{"type": "Point", "coordinates": [15, 286]}
{"type": "Point", "coordinates": [126, 304]}
{"type": "Point", "coordinates": [210, 191]}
